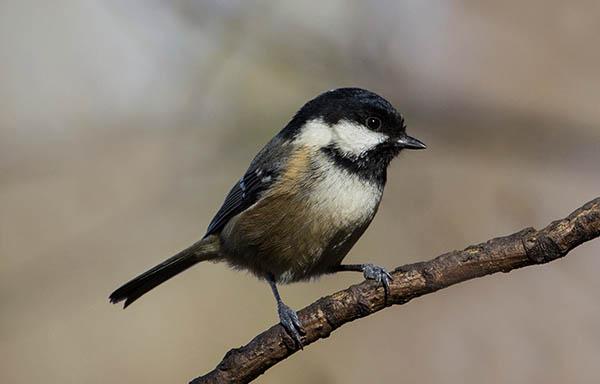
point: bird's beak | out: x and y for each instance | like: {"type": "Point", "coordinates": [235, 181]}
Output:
{"type": "Point", "coordinates": [408, 142]}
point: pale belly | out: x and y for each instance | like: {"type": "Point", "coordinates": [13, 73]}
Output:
{"type": "Point", "coordinates": [296, 236]}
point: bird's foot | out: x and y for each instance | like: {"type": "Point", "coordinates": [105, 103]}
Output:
{"type": "Point", "coordinates": [290, 321]}
{"type": "Point", "coordinates": [379, 274]}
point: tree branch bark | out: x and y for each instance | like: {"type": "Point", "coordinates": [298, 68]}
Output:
{"type": "Point", "coordinates": [502, 254]}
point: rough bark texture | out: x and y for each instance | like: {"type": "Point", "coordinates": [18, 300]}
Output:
{"type": "Point", "coordinates": [503, 254]}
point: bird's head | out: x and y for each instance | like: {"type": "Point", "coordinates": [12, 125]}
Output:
{"type": "Point", "coordinates": [354, 126]}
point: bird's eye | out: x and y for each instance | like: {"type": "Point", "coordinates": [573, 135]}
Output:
{"type": "Point", "coordinates": [373, 123]}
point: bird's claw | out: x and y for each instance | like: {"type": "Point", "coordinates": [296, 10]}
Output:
{"type": "Point", "coordinates": [379, 274]}
{"type": "Point", "coordinates": [290, 321]}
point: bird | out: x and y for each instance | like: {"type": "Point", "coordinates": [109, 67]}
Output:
{"type": "Point", "coordinates": [304, 201]}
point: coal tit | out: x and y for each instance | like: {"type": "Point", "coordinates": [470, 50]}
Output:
{"type": "Point", "coordinates": [305, 200]}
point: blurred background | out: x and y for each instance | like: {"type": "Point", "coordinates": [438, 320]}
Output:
{"type": "Point", "coordinates": [124, 123]}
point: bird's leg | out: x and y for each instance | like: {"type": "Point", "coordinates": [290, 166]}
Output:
{"type": "Point", "coordinates": [287, 316]}
{"type": "Point", "coordinates": [370, 272]}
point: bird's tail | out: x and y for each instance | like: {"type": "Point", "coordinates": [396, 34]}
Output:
{"type": "Point", "coordinates": [205, 249]}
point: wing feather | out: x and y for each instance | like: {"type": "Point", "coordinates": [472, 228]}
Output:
{"type": "Point", "coordinates": [262, 173]}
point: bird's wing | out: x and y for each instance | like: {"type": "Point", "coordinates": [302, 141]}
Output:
{"type": "Point", "coordinates": [262, 173]}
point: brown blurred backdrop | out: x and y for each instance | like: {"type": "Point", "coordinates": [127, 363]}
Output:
{"type": "Point", "coordinates": [123, 124]}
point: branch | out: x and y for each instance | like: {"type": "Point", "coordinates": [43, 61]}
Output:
{"type": "Point", "coordinates": [503, 254]}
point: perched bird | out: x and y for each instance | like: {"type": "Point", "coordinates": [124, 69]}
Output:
{"type": "Point", "coordinates": [305, 200]}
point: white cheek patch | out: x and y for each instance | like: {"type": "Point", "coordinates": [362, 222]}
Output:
{"type": "Point", "coordinates": [355, 139]}
{"type": "Point", "coordinates": [315, 133]}
{"type": "Point", "coordinates": [351, 138]}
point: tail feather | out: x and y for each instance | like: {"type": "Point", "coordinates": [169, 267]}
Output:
{"type": "Point", "coordinates": [205, 249]}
